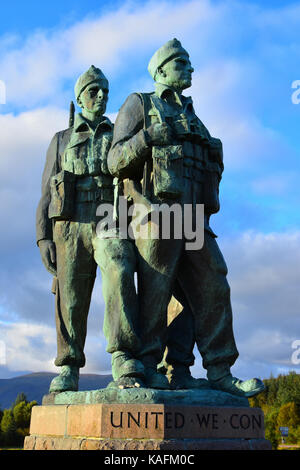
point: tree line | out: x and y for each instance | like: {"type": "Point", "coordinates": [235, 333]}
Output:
{"type": "Point", "coordinates": [15, 422]}
{"type": "Point", "coordinates": [280, 403]}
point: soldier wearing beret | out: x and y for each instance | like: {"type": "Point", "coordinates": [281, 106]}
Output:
{"type": "Point", "coordinates": [75, 181]}
{"type": "Point", "coordinates": [162, 153]}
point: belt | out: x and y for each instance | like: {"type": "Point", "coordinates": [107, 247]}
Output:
{"type": "Point", "coordinates": [193, 173]}
{"type": "Point", "coordinates": [96, 195]}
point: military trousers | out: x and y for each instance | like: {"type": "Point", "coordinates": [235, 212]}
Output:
{"type": "Point", "coordinates": [76, 272]}
{"type": "Point", "coordinates": [201, 277]}
{"type": "Point", "coordinates": [180, 332]}
{"type": "Point", "coordinates": [119, 261]}
{"type": "Point", "coordinates": [79, 251]}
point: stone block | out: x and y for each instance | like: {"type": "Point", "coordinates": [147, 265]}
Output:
{"type": "Point", "coordinates": [84, 420]}
{"type": "Point", "coordinates": [50, 420]}
{"type": "Point", "coordinates": [151, 421]}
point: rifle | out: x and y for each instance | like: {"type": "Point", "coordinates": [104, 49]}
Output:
{"type": "Point", "coordinates": [71, 124]}
{"type": "Point", "coordinates": [71, 114]}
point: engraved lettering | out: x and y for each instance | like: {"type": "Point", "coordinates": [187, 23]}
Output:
{"type": "Point", "coordinates": [179, 420]}
{"type": "Point", "coordinates": [156, 413]}
{"type": "Point", "coordinates": [231, 421]}
{"type": "Point", "coordinates": [136, 421]}
{"type": "Point", "coordinates": [203, 419]}
{"type": "Point", "coordinates": [256, 421]}
{"type": "Point", "coordinates": [215, 421]}
{"type": "Point", "coordinates": [168, 419]}
{"type": "Point", "coordinates": [112, 419]}
{"type": "Point", "coordinates": [245, 421]}
{"type": "Point", "coordinates": [146, 420]}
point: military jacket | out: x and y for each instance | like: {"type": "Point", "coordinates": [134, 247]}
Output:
{"type": "Point", "coordinates": [193, 155]}
{"type": "Point", "coordinates": [76, 157]}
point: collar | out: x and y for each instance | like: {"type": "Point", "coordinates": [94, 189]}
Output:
{"type": "Point", "coordinates": [164, 91]}
{"type": "Point", "coordinates": [82, 125]}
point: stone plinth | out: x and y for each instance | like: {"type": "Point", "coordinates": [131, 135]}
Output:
{"type": "Point", "coordinates": [65, 443]}
{"type": "Point", "coordinates": [146, 419]}
{"type": "Point", "coordinates": [123, 421]}
{"type": "Point", "coordinates": [203, 397]}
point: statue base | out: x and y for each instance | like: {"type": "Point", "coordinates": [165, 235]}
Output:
{"type": "Point", "coordinates": [146, 419]}
{"type": "Point", "coordinates": [65, 443]}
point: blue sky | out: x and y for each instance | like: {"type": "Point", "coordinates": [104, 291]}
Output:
{"type": "Point", "coordinates": [246, 56]}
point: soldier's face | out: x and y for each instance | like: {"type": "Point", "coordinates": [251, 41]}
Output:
{"type": "Point", "coordinates": [178, 73]}
{"type": "Point", "coordinates": [94, 98]}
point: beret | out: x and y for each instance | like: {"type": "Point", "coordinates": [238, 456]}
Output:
{"type": "Point", "coordinates": [168, 51]}
{"type": "Point", "coordinates": [91, 75]}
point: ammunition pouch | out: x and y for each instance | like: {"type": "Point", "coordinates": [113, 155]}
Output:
{"type": "Point", "coordinates": [213, 174]}
{"type": "Point", "coordinates": [62, 188]}
{"type": "Point", "coordinates": [94, 189]}
{"type": "Point", "coordinates": [167, 171]}
{"type": "Point", "coordinates": [181, 127]}
{"type": "Point", "coordinates": [189, 131]}
{"type": "Point", "coordinates": [97, 195]}
{"type": "Point", "coordinates": [211, 192]}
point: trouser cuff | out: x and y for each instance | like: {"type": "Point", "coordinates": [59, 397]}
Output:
{"type": "Point", "coordinates": [218, 371]}
{"type": "Point", "coordinates": [68, 360]}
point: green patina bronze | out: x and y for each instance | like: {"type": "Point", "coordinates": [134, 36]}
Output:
{"type": "Point", "coordinates": [207, 397]}
{"type": "Point", "coordinates": [75, 181]}
{"type": "Point", "coordinates": [158, 152]}
{"type": "Point", "coordinates": [162, 153]}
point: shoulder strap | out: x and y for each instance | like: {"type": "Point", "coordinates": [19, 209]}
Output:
{"type": "Point", "coordinates": [147, 105]}
{"type": "Point", "coordinates": [157, 104]}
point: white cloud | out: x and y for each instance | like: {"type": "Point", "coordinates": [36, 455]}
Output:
{"type": "Point", "coordinates": [29, 346]}
{"type": "Point", "coordinates": [24, 140]}
{"type": "Point", "coordinates": [32, 347]}
{"type": "Point", "coordinates": [36, 70]}
{"type": "Point", "coordinates": [264, 277]}
{"type": "Point", "coordinates": [220, 100]}
{"type": "Point", "coordinates": [263, 268]}
{"type": "Point", "coordinates": [36, 67]}
{"type": "Point", "coordinates": [262, 262]}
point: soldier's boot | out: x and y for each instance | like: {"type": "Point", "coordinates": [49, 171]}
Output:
{"type": "Point", "coordinates": [245, 388]}
{"type": "Point", "coordinates": [180, 377]}
{"type": "Point", "coordinates": [125, 366]}
{"type": "Point", "coordinates": [67, 380]}
{"type": "Point", "coordinates": [153, 378]}
{"type": "Point", "coordinates": [228, 383]}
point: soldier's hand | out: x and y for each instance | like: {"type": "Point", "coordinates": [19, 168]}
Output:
{"type": "Point", "coordinates": [159, 133]}
{"type": "Point", "coordinates": [48, 254]}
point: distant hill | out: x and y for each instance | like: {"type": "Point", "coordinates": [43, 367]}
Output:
{"type": "Point", "coordinates": [36, 385]}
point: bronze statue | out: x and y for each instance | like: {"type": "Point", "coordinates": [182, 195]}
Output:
{"type": "Point", "coordinates": [158, 153]}
{"type": "Point", "coordinates": [75, 181]}
{"type": "Point", "coordinates": [162, 153]}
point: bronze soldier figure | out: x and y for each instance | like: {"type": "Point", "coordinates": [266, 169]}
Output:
{"type": "Point", "coordinates": [162, 153]}
{"type": "Point", "coordinates": [75, 181]}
